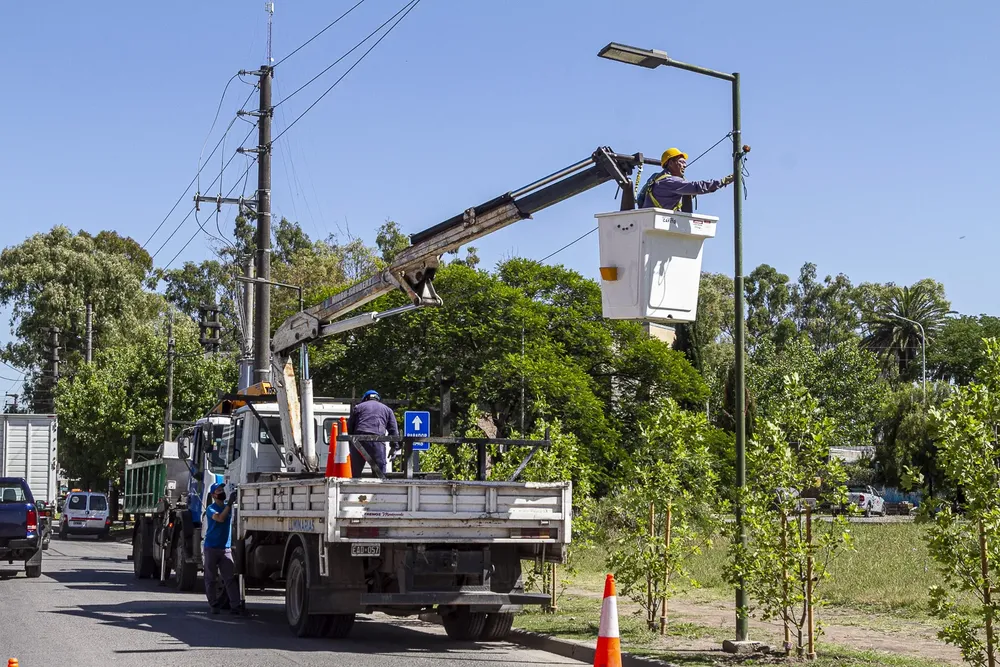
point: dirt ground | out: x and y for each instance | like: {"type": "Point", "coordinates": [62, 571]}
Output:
{"type": "Point", "coordinates": [847, 628]}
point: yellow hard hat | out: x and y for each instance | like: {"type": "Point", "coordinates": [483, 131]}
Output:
{"type": "Point", "coordinates": [671, 153]}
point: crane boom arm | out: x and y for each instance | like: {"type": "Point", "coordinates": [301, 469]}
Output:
{"type": "Point", "coordinates": [413, 269]}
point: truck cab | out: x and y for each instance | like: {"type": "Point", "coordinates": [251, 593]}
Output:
{"type": "Point", "coordinates": [255, 444]}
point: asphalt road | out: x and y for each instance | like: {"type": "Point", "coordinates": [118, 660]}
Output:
{"type": "Point", "coordinates": [87, 610]}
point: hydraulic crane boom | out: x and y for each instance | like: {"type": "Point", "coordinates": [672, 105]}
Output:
{"type": "Point", "coordinates": [413, 272]}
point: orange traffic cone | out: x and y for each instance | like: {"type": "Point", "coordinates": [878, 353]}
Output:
{"type": "Point", "coordinates": [13, 663]}
{"type": "Point", "coordinates": [609, 649]}
{"type": "Point", "coordinates": [338, 457]}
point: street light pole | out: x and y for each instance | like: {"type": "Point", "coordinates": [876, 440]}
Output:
{"type": "Point", "coordinates": [651, 59]}
{"type": "Point", "coordinates": [923, 350]}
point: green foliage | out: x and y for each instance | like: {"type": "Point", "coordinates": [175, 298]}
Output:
{"type": "Point", "coordinates": [964, 539]}
{"type": "Point", "coordinates": [889, 333]}
{"type": "Point", "coordinates": [843, 378]}
{"type": "Point", "coordinates": [124, 392]}
{"type": "Point", "coordinates": [958, 352]}
{"type": "Point", "coordinates": [672, 474]}
{"type": "Point", "coordinates": [904, 436]}
{"type": "Point", "coordinates": [787, 460]}
{"type": "Point", "coordinates": [48, 279]}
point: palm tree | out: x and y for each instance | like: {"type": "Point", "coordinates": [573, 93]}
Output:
{"type": "Point", "coordinates": [894, 339]}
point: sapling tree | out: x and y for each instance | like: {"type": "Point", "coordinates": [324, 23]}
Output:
{"type": "Point", "coordinates": [671, 506]}
{"type": "Point", "coordinates": [964, 537]}
{"type": "Point", "coordinates": [789, 472]}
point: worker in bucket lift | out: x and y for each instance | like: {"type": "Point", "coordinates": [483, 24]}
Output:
{"type": "Point", "coordinates": [668, 189]}
{"type": "Point", "coordinates": [371, 417]}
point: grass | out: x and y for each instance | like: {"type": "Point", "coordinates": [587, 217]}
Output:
{"type": "Point", "coordinates": [888, 571]}
{"type": "Point", "coordinates": [885, 578]}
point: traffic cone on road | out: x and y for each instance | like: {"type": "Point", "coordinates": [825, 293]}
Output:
{"type": "Point", "coordinates": [609, 649]}
{"type": "Point", "coordinates": [338, 457]}
{"type": "Point", "coordinates": [13, 663]}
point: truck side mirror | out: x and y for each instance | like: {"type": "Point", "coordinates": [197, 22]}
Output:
{"type": "Point", "coordinates": [182, 449]}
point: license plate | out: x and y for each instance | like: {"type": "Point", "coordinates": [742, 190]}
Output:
{"type": "Point", "coordinates": [76, 524]}
{"type": "Point", "coordinates": [366, 550]}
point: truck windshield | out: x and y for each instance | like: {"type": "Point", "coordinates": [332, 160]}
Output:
{"type": "Point", "coordinates": [12, 494]}
{"type": "Point", "coordinates": [217, 457]}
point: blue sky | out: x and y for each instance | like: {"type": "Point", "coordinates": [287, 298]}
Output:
{"type": "Point", "coordinates": [873, 125]}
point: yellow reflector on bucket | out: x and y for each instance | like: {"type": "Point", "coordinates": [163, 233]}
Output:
{"type": "Point", "coordinates": [609, 273]}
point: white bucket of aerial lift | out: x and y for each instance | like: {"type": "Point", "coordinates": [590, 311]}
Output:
{"type": "Point", "coordinates": [651, 263]}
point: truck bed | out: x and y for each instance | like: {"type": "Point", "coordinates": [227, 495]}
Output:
{"type": "Point", "coordinates": [410, 510]}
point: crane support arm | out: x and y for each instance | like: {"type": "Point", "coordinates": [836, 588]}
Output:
{"type": "Point", "coordinates": [412, 271]}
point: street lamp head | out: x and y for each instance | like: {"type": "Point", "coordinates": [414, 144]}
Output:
{"type": "Point", "coordinates": [631, 55]}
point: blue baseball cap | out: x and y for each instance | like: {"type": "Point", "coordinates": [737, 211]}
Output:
{"type": "Point", "coordinates": [216, 487]}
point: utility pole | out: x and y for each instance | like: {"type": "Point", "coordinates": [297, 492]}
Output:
{"type": "Point", "coordinates": [90, 332]}
{"type": "Point", "coordinates": [169, 416]}
{"type": "Point", "coordinates": [262, 297]}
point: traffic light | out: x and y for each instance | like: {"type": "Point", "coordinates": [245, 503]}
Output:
{"type": "Point", "coordinates": [209, 327]}
{"type": "Point", "coordinates": [52, 353]}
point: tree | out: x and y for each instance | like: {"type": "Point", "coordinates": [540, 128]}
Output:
{"type": "Point", "coordinates": [904, 436]}
{"type": "Point", "coordinates": [958, 353]}
{"type": "Point", "coordinates": [768, 299]}
{"type": "Point", "coordinates": [210, 283]}
{"type": "Point", "coordinates": [48, 280]}
{"type": "Point", "coordinates": [672, 480]}
{"type": "Point", "coordinates": [124, 393]}
{"type": "Point", "coordinates": [390, 241]}
{"type": "Point", "coordinates": [964, 539]}
{"type": "Point", "coordinates": [705, 341]}
{"type": "Point", "coordinates": [788, 459]}
{"type": "Point", "coordinates": [825, 311]}
{"type": "Point", "coordinates": [897, 340]}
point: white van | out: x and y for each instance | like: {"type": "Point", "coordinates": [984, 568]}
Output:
{"type": "Point", "coordinates": [85, 513]}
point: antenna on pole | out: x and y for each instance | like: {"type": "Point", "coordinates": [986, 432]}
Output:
{"type": "Point", "coordinates": [269, 8]}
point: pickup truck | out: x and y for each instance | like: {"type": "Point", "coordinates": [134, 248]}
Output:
{"type": "Point", "coordinates": [866, 499]}
{"type": "Point", "coordinates": [20, 537]}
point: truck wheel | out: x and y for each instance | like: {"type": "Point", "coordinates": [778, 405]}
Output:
{"type": "Point", "coordinates": [301, 623]}
{"type": "Point", "coordinates": [464, 625]}
{"type": "Point", "coordinates": [185, 573]}
{"type": "Point", "coordinates": [339, 625]}
{"type": "Point", "coordinates": [142, 565]}
{"type": "Point", "coordinates": [497, 627]}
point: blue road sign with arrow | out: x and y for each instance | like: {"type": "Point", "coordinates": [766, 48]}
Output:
{"type": "Point", "coordinates": [417, 424]}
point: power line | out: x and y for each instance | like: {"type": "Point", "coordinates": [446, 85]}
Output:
{"type": "Point", "coordinates": [308, 41]}
{"type": "Point", "coordinates": [200, 167]}
{"type": "Point", "coordinates": [212, 184]}
{"type": "Point", "coordinates": [338, 60]}
{"type": "Point", "coordinates": [410, 8]}
{"type": "Point", "coordinates": [576, 240]}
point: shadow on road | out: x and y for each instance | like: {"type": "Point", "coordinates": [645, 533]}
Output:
{"type": "Point", "coordinates": [190, 626]}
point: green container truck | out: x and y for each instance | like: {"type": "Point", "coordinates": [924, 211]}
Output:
{"type": "Point", "coordinates": [165, 496]}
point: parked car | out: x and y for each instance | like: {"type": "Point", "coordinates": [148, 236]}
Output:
{"type": "Point", "coordinates": [20, 536]}
{"type": "Point", "coordinates": [866, 499]}
{"type": "Point", "coordinates": [85, 513]}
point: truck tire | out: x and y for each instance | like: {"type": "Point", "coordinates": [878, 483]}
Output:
{"type": "Point", "coordinates": [300, 621]}
{"type": "Point", "coordinates": [338, 626]}
{"type": "Point", "coordinates": [185, 573]}
{"type": "Point", "coordinates": [464, 625]}
{"type": "Point", "coordinates": [497, 627]}
{"type": "Point", "coordinates": [142, 565]}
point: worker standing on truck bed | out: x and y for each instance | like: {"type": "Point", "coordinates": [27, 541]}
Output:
{"type": "Point", "coordinates": [668, 188]}
{"type": "Point", "coordinates": [218, 553]}
{"type": "Point", "coordinates": [371, 417]}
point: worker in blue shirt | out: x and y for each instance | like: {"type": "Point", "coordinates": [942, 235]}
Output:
{"type": "Point", "coordinates": [218, 555]}
{"type": "Point", "coordinates": [371, 417]}
{"type": "Point", "coordinates": [668, 188]}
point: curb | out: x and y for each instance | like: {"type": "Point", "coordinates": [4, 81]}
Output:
{"type": "Point", "coordinates": [567, 648]}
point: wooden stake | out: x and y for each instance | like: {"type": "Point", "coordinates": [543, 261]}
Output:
{"type": "Point", "coordinates": [784, 582]}
{"type": "Point", "coordinates": [650, 613]}
{"type": "Point", "coordinates": [987, 596]}
{"type": "Point", "coordinates": [552, 603]}
{"type": "Point", "coordinates": [666, 571]}
{"type": "Point", "coordinates": [811, 655]}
